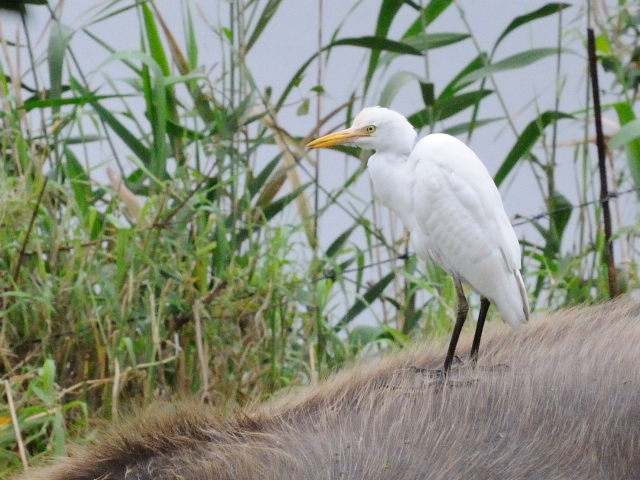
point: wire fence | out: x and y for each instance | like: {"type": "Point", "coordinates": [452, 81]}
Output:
{"type": "Point", "coordinates": [518, 223]}
{"type": "Point", "coordinates": [540, 216]}
{"type": "Point", "coordinates": [333, 274]}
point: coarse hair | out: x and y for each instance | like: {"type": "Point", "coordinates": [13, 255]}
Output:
{"type": "Point", "coordinates": [558, 399]}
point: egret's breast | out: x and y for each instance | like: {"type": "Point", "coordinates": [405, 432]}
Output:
{"type": "Point", "coordinates": [393, 185]}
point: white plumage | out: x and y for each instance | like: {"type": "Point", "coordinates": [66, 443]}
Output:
{"type": "Point", "coordinates": [449, 203]}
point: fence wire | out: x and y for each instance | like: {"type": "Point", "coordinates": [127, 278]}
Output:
{"type": "Point", "coordinates": [331, 274]}
{"type": "Point", "coordinates": [334, 274]}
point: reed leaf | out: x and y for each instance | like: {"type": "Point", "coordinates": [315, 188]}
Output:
{"type": "Point", "coordinates": [542, 12]}
{"type": "Point", "coordinates": [526, 141]}
{"type": "Point", "coordinates": [627, 117]}
{"type": "Point", "coordinates": [519, 60]}
{"type": "Point", "coordinates": [366, 299]}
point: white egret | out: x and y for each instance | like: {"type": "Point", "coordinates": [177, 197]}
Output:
{"type": "Point", "coordinates": [447, 200]}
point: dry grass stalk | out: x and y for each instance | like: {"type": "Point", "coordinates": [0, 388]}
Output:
{"type": "Point", "coordinates": [132, 204]}
{"type": "Point", "coordinates": [16, 426]}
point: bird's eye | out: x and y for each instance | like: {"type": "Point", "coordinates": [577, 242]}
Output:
{"type": "Point", "coordinates": [370, 129]}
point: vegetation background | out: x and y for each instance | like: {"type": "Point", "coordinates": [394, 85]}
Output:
{"type": "Point", "coordinates": [216, 256]}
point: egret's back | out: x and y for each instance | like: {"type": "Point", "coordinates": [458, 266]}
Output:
{"type": "Point", "coordinates": [460, 223]}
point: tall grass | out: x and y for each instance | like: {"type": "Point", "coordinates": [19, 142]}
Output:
{"type": "Point", "coordinates": [198, 269]}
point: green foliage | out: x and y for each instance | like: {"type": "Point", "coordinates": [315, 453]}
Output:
{"type": "Point", "coordinates": [527, 139]}
{"type": "Point", "coordinates": [544, 11]}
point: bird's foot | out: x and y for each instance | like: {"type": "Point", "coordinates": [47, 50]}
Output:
{"type": "Point", "coordinates": [472, 363]}
{"type": "Point", "coordinates": [439, 373]}
{"type": "Point", "coordinates": [498, 367]}
{"type": "Point", "coordinates": [439, 377]}
{"type": "Point", "coordinates": [433, 373]}
{"type": "Point", "coordinates": [413, 379]}
{"type": "Point", "coordinates": [459, 375]}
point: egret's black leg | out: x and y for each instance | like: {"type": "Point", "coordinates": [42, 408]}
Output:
{"type": "Point", "coordinates": [475, 346]}
{"type": "Point", "coordinates": [463, 309]}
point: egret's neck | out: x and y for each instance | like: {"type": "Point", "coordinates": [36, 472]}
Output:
{"type": "Point", "coordinates": [392, 178]}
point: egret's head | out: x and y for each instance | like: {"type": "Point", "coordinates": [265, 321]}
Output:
{"type": "Point", "coordinates": [376, 128]}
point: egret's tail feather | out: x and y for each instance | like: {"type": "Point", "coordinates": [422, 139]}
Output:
{"type": "Point", "coordinates": [523, 295]}
{"type": "Point", "coordinates": [512, 301]}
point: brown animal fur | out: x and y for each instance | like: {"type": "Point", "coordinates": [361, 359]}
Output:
{"type": "Point", "coordinates": [567, 406]}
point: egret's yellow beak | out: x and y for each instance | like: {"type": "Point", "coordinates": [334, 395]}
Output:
{"type": "Point", "coordinates": [338, 138]}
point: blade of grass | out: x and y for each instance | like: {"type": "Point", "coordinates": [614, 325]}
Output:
{"type": "Point", "coordinates": [467, 126]}
{"type": "Point", "coordinates": [518, 60]}
{"type": "Point", "coordinates": [394, 85]}
{"type": "Point", "coordinates": [424, 43]}
{"type": "Point", "coordinates": [629, 131]}
{"type": "Point", "coordinates": [627, 116]}
{"type": "Point", "coordinates": [339, 242]}
{"type": "Point", "coordinates": [58, 43]}
{"type": "Point", "coordinates": [267, 14]}
{"type": "Point", "coordinates": [136, 146]}
{"type": "Point", "coordinates": [365, 42]}
{"type": "Point", "coordinates": [455, 85]}
{"type": "Point", "coordinates": [386, 15]}
{"type": "Point", "coordinates": [446, 108]}
{"type": "Point", "coordinates": [526, 141]}
{"type": "Point", "coordinates": [80, 182]}
{"type": "Point", "coordinates": [428, 14]}
{"type": "Point", "coordinates": [544, 11]}
{"type": "Point", "coordinates": [31, 104]}
{"type": "Point", "coordinates": [367, 299]}
{"type": "Point", "coordinates": [159, 113]}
